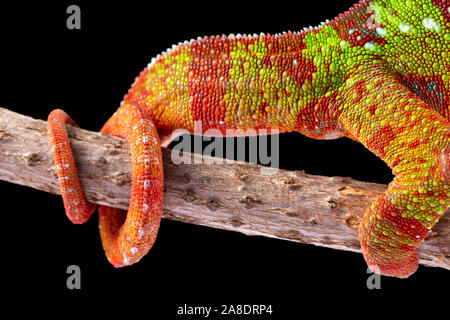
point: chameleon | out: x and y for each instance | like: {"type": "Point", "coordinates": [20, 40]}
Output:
{"type": "Point", "coordinates": [378, 74]}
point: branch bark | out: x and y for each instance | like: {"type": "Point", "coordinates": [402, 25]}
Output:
{"type": "Point", "coordinates": [290, 205]}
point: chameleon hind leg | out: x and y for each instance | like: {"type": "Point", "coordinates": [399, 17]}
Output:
{"type": "Point", "coordinates": [126, 236]}
{"type": "Point", "coordinates": [413, 140]}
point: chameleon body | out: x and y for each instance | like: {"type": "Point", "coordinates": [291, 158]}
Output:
{"type": "Point", "coordinates": [378, 73]}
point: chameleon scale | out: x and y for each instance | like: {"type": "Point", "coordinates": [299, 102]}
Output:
{"type": "Point", "coordinates": [378, 73]}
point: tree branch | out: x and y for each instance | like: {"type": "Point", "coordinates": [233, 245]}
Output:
{"type": "Point", "coordinates": [241, 197]}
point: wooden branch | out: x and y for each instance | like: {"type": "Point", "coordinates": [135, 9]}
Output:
{"type": "Point", "coordinates": [241, 197]}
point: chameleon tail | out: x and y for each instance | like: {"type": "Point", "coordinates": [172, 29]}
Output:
{"type": "Point", "coordinates": [126, 237]}
{"type": "Point", "coordinates": [78, 210]}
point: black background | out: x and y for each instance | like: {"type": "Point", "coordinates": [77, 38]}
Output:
{"type": "Point", "coordinates": [86, 72]}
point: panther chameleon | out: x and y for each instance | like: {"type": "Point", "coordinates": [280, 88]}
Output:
{"type": "Point", "coordinates": [378, 74]}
